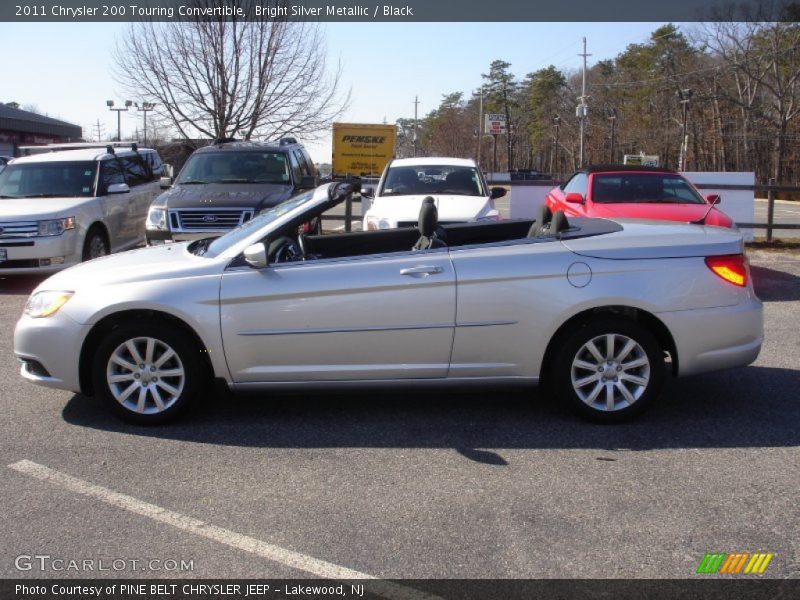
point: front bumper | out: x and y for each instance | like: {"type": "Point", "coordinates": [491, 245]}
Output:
{"type": "Point", "coordinates": [717, 338]}
{"type": "Point", "coordinates": [34, 256]}
{"type": "Point", "coordinates": [49, 349]}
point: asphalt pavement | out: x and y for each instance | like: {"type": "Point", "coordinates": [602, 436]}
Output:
{"type": "Point", "coordinates": [478, 484]}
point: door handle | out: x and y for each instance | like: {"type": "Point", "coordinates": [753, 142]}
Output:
{"type": "Point", "coordinates": [421, 270]}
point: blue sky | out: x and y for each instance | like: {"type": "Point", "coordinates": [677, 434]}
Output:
{"type": "Point", "coordinates": [64, 69]}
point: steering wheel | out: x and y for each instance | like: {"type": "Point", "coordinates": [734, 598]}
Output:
{"type": "Point", "coordinates": [286, 249]}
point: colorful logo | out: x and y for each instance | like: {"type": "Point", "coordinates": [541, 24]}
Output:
{"type": "Point", "coordinates": [735, 563]}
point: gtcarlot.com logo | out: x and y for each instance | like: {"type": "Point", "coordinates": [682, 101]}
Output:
{"type": "Point", "coordinates": [735, 563]}
{"type": "Point", "coordinates": [45, 562]}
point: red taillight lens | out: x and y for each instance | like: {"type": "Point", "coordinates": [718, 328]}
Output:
{"type": "Point", "coordinates": [732, 269]}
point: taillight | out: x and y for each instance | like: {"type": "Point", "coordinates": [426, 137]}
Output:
{"type": "Point", "coordinates": [731, 268]}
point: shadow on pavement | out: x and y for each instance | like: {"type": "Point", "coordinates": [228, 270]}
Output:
{"type": "Point", "coordinates": [775, 286]}
{"type": "Point", "coordinates": [20, 284]}
{"type": "Point", "coordinates": [750, 407]}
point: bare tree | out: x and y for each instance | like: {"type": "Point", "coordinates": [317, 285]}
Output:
{"type": "Point", "coordinates": [222, 77]}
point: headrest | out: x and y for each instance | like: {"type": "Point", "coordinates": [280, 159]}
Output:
{"type": "Point", "coordinates": [428, 217]}
{"type": "Point", "coordinates": [543, 218]}
{"type": "Point", "coordinates": [559, 222]}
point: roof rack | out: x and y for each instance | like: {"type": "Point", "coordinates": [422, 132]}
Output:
{"type": "Point", "coordinates": [109, 146]}
{"type": "Point", "coordinates": [285, 141]}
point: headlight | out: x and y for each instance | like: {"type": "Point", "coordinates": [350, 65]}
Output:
{"type": "Point", "coordinates": [157, 219]}
{"type": "Point", "coordinates": [56, 226]}
{"type": "Point", "coordinates": [44, 304]}
{"type": "Point", "coordinates": [375, 223]}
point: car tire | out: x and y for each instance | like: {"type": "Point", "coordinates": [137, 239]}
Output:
{"type": "Point", "coordinates": [95, 245]}
{"type": "Point", "coordinates": [148, 372]}
{"type": "Point", "coordinates": [608, 371]}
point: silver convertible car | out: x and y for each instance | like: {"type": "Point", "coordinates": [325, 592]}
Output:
{"type": "Point", "coordinates": [599, 310]}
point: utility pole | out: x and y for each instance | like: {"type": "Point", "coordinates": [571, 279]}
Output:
{"type": "Point", "coordinates": [685, 98]}
{"type": "Point", "coordinates": [554, 153]}
{"type": "Point", "coordinates": [480, 127]}
{"type": "Point", "coordinates": [100, 130]}
{"type": "Point", "coordinates": [613, 118]}
{"type": "Point", "coordinates": [416, 103]}
{"type": "Point", "coordinates": [582, 111]}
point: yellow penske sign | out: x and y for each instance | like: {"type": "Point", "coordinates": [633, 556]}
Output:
{"type": "Point", "coordinates": [362, 149]}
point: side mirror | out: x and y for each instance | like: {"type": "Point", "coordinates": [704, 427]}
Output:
{"type": "Point", "coordinates": [574, 198]}
{"type": "Point", "coordinates": [169, 170]}
{"type": "Point", "coordinates": [308, 182]}
{"type": "Point", "coordinates": [497, 192]}
{"type": "Point", "coordinates": [368, 191]}
{"type": "Point", "coordinates": [165, 183]}
{"type": "Point", "coordinates": [713, 199]}
{"type": "Point", "coordinates": [256, 256]}
{"type": "Point", "coordinates": [118, 188]}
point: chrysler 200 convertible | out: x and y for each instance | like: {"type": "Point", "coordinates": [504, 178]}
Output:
{"type": "Point", "coordinates": [598, 309]}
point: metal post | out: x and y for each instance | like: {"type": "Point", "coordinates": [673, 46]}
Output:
{"type": "Point", "coordinates": [416, 103]}
{"type": "Point", "coordinates": [613, 119]}
{"type": "Point", "coordinates": [770, 207]}
{"type": "Point", "coordinates": [494, 154]}
{"type": "Point", "coordinates": [348, 213]}
{"type": "Point", "coordinates": [685, 98]}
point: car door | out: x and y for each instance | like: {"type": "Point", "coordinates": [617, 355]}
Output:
{"type": "Point", "coordinates": [510, 298]}
{"type": "Point", "coordinates": [374, 317]}
{"type": "Point", "coordinates": [115, 206]}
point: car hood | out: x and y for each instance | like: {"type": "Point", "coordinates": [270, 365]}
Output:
{"type": "Point", "coordinates": [450, 207]}
{"type": "Point", "coordinates": [645, 239]}
{"type": "Point", "coordinates": [225, 195]}
{"type": "Point", "coordinates": [663, 211]}
{"type": "Point", "coordinates": [169, 261]}
{"type": "Point", "coordinates": [32, 209]}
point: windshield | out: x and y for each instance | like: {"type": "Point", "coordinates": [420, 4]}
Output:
{"type": "Point", "coordinates": [235, 167]}
{"type": "Point", "coordinates": [433, 179]}
{"type": "Point", "coordinates": [234, 236]}
{"type": "Point", "coordinates": [643, 187]}
{"type": "Point", "coordinates": [48, 180]}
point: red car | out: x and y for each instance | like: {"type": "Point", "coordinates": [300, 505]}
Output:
{"type": "Point", "coordinates": [634, 192]}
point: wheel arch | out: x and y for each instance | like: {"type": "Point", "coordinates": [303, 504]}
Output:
{"type": "Point", "coordinates": [114, 320]}
{"type": "Point", "coordinates": [651, 322]}
{"type": "Point", "coordinates": [96, 225]}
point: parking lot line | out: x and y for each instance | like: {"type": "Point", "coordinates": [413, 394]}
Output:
{"type": "Point", "coordinates": [296, 560]}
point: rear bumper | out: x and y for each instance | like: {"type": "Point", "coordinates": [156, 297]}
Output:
{"type": "Point", "coordinates": [716, 338]}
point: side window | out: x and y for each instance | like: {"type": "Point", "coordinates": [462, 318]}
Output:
{"type": "Point", "coordinates": [577, 184]}
{"type": "Point", "coordinates": [301, 160]}
{"type": "Point", "coordinates": [297, 174]}
{"type": "Point", "coordinates": [111, 173]}
{"type": "Point", "coordinates": [312, 170]}
{"type": "Point", "coordinates": [136, 172]}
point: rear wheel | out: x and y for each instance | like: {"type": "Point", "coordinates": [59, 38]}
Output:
{"type": "Point", "coordinates": [609, 371]}
{"type": "Point", "coordinates": [96, 244]}
{"type": "Point", "coordinates": [147, 373]}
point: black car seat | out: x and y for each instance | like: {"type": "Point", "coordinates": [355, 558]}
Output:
{"type": "Point", "coordinates": [542, 222]}
{"type": "Point", "coordinates": [427, 225]}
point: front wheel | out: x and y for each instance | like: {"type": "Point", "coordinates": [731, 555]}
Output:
{"type": "Point", "coordinates": [95, 245]}
{"type": "Point", "coordinates": [147, 373]}
{"type": "Point", "coordinates": [609, 371]}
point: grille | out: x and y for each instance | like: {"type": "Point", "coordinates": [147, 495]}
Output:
{"type": "Point", "coordinates": [209, 220]}
{"type": "Point", "coordinates": [22, 229]}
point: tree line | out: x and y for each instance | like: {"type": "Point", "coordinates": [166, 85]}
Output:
{"type": "Point", "coordinates": [739, 81]}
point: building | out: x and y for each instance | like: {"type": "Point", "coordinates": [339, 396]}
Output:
{"type": "Point", "coordinates": [23, 128]}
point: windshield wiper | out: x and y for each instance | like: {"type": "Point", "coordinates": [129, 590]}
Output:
{"type": "Point", "coordinates": [44, 196]}
{"type": "Point", "coordinates": [235, 180]}
{"type": "Point", "coordinates": [201, 246]}
{"type": "Point", "coordinates": [9, 196]}
{"type": "Point", "coordinates": [192, 182]}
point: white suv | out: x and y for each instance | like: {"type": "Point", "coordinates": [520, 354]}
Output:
{"type": "Point", "coordinates": [73, 203]}
{"type": "Point", "coordinates": [456, 185]}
